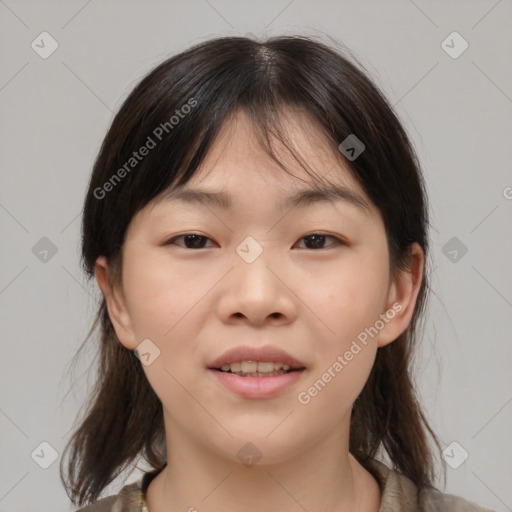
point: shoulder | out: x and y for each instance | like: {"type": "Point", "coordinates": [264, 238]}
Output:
{"type": "Point", "coordinates": [129, 499]}
{"type": "Point", "coordinates": [436, 500]}
{"type": "Point", "coordinates": [400, 494]}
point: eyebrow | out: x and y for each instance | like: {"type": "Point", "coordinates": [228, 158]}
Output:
{"type": "Point", "coordinates": [300, 199]}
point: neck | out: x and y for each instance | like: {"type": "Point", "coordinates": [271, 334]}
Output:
{"type": "Point", "coordinates": [323, 476]}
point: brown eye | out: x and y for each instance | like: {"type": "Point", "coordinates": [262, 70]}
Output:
{"type": "Point", "coordinates": [191, 241]}
{"type": "Point", "coordinates": [313, 241]}
{"type": "Point", "coordinates": [317, 241]}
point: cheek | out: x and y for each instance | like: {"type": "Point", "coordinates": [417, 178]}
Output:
{"type": "Point", "coordinates": [348, 299]}
{"type": "Point", "coordinates": [349, 295]}
{"type": "Point", "coordinates": [336, 386]}
{"type": "Point", "coordinates": [159, 298]}
{"type": "Point", "coordinates": [349, 305]}
{"type": "Point", "coordinates": [161, 304]}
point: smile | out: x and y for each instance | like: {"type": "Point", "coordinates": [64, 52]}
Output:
{"type": "Point", "coordinates": [256, 369]}
{"type": "Point", "coordinates": [257, 385]}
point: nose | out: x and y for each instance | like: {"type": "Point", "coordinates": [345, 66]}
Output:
{"type": "Point", "coordinates": [260, 292]}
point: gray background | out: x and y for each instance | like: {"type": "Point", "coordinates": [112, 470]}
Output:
{"type": "Point", "coordinates": [54, 114]}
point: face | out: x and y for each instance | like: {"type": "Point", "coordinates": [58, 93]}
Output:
{"type": "Point", "coordinates": [311, 279]}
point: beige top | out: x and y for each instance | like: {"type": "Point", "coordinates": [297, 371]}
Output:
{"type": "Point", "coordinates": [398, 494]}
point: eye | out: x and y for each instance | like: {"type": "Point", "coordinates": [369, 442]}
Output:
{"type": "Point", "coordinates": [195, 241]}
{"type": "Point", "coordinates": [192, 240]}
{"type": "Point", "coordinates": [316, 240]}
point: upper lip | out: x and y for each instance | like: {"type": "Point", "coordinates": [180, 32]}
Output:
{"type": "Point", "coordinates": [257, 354]}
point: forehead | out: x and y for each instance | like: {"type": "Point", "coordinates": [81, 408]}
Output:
{"type": "Point", "coordinates": [237, 166]}
{"type": "Point", "coordinates": [293, 136]}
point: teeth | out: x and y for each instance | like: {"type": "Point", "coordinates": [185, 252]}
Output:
{"type": "Point", "coordinates": [249, 366]}
{"type": "Point", "coordinates": [253, 367]}
{"type": "Point", "coordinates": [258, 374]}
{"type": "Point", "coordinates": [266, 367]}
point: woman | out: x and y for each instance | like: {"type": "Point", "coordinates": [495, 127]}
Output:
{"type": "Point", "coordinates": [257, 325]}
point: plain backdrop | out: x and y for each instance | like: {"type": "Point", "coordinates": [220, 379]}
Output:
{"type": "Point", "coordinates": [457, 108]}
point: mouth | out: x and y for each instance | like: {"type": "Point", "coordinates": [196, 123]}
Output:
{"type": "Point", "coordinates": [256, 372]}
{"type": "Point", "coordinates": [247, 361]}
{"type": "Point", "coordinates": [256, 385]}
{"type": "Point", "coordinates": [257, 369]}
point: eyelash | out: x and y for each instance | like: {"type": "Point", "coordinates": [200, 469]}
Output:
{"type": "Point", "coordinates": [338, 240]}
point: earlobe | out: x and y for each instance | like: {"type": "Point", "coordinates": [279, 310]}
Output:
{"type": "Point", "coordinates": [402, 297]}
{"type": "Point", "coordinates": [116, 306]}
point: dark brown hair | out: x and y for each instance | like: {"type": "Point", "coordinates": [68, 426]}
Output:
{"type": "Point", "coordinates": [183, 103]}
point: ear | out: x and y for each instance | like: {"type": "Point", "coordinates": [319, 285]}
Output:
{"type": "Point", "coordinates": [402, 295]}
{"type": "Point", "coordinates": [116, 305]}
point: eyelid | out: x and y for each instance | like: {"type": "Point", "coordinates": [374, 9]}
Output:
{"type": "Point", "coordinates": [338, 239]}
{"type": "Point", "coordinates": [174, 237]}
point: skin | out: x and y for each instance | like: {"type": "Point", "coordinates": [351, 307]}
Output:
{"type": "Point", "coordinates": [311, 302]}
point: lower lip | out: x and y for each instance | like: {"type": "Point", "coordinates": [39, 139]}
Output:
{"type": "Point", "coordinates": [257, 387]}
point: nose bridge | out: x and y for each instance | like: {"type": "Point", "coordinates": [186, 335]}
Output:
{"type": "Point", "coordinates": [252, 269]}
{"type": "Point", "coordinates": [253, 288]}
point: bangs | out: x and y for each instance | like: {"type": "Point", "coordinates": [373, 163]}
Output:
{"type": "Point", "coordinates": [168, 124]}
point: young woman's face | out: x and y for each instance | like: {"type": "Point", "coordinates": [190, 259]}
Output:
{"type": "Point", "coordinates": [255, 276]}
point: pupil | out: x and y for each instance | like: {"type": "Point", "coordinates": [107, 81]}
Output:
{"type": "Point", "coordinates": [198, 239]}
{"type": "Point", "coordinates": [316, 239]}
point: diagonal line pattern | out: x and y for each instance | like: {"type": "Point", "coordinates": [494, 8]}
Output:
{"type": "Point", "coordinates": [199, 403]}
{"type": "Point", "coordinates": [279, 13]}
{"type": "Point", "coordinates": [198, 301]}
{"type": "Point", "coordinates": [14, 485]}
{"type": "Point", "coordinates": [285, 490]}
{"type": "Point", "coordinates": [5, 5]}
{"type": "Point", "coordinates": [484, 218]}
{"type": "Point", "coordinates": [484, 16]}
{"type": "Point", "coordinates": [416, 84]}
{"type": "Point", "coordinates": [218, 217]}
{"type": "Point", "coordinates": [14, 218]}
{"type": "Point", "coordinates": [490, 490]}
{"type": "Point", "coordinates": [493, 287]}
{"type": "Point", "coordinates": [13, 279]}
{"type": "Point", "coordinates": [301, 300]}
{"type": "Point", "coordinates": [280, 423]}
{"type": "Point", "coordinates": [14, 423]}
{"type": "Point", "coordinates": [275, 224]}
{"type": "Point", "coordinates": [286, 213]}
{"type": "Point", "coordinates": [15, 75]}
{"type": "Point", "coordinates": [491, 80]}
{"type": "Point", "coordinates": [206, 1]}
{"type": "Point", "coordinates": [217, 486]}
{"type": "Point", "coordinates": [70, 222]}
{"type": "Point", "coordinates": [74, 16]}
{"type": "Point", "coordinates": [425, 14]}
{"type": "Point", "coordinates": [80, 80]}
{"type": "Point", "coordinates": [503, 407]}
{"type": "Point", "coordinates": [80, 284]}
